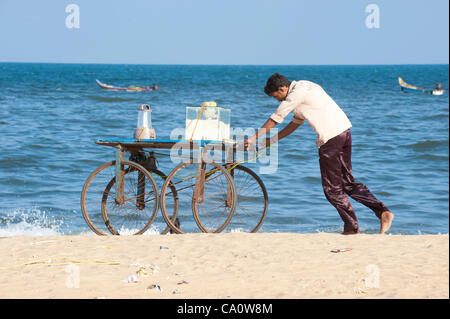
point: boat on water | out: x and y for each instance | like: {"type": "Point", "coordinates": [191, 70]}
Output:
{"type": "Point", "coordinates": [408, 87]}
{"type": "Point", "coordinates": [131, 88]}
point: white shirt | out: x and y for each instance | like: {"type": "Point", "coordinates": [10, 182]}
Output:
{"type": "Point", "coordinates": [311, 103]}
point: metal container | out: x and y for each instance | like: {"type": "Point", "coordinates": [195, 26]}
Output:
{"type": "Point", "coordinates": [144, 128]}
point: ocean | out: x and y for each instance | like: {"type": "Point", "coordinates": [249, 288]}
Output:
{"type": "Point", "coordinates": [51, 115]}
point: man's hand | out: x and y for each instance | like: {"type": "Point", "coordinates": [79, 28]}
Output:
{"type": "Point", "coordinates": [249, 142]}
{"type": "Point", "coordinates": [262, 131]}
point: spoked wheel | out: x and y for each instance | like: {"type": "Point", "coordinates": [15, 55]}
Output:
{"type": "Point", "coordinates": [150, 164]}
{"type": "Point", "coordinates": [171, 200]}
{"type": "Point", "coordinates": [135, 211]}
{"type": "Point", "coordinates": [204, 190]}
{"type": "Point", "coordinates": [252, 200]}
{"type": "Point", "coordinates": [91, 197]}
{"type": "Point", "coordinates": [104, 212]}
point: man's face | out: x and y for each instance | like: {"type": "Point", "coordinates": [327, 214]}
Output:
{"type": "Point", "coordinates": [281, 93]}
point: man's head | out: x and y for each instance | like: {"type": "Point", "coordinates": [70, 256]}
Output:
{"type": "Point", "coordinates": [277, 86]}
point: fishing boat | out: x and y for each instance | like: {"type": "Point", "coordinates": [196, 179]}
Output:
{"type": "Point", "coordinates": [408, 87]}
{"type": "Point", "coordinates": [133, 88]}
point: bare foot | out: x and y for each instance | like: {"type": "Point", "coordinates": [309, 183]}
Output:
{"type": "Point", "coordinates": [351, 232]}
{"type": "Point", "coordinates": [386, 221]}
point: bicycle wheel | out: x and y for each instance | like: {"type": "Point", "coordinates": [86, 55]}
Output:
{"type": "Point", "coordinates": [91, 196]}
{"type": "Point", "coordinates": [252, 201]}
{"type": "Point", "coordinates": [213, 211]}
{"type": "Point", "coordinates": [172, 202]}
{"type": "Point", "coordinates": [150, 164]}
{"type": "Point", "coordinates": [158, 222]}
{"type": "Point", "coordinates": [133, 214]}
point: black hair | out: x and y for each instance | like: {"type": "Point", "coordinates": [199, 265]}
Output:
{"type": "Point", "coordinates": [276, 81]}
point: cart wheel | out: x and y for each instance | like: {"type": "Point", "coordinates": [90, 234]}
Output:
{"type": "Point", "coordinates": [213, 211]}
{"type": "Point", "coordinates": [172, 196]}
{"type": "Point", "coordinates": [252, 201]}
{"type": "Point", "coordinates": [159, 178]}
{"type": "Point", "coordinates": [136, 211]}
{"type": "Point", "coordinates": [91, 197]}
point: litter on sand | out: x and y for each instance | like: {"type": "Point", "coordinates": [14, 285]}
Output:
{"type": "Point", "coordinates": [145, 270]}
{"type": "Point", "coordinates": [141, 272]}
{"type": "Point", "coordinates": [359, 291]}
{"type": "Point", "coordinates": [340, 250]}
{"type": "Point", "coordinates": [155, 287]}
{"type": "Point", "coordinates": [131, 278]}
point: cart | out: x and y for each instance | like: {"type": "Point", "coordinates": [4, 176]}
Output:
{"type": "Point", "coordinates": [124, 196]}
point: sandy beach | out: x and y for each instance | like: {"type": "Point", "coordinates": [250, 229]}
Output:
{"type": "Point", "coordinates": [231, 265]}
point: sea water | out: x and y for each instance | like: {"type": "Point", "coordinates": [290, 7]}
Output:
{"type": "Point", "coordinates": [51, 115]}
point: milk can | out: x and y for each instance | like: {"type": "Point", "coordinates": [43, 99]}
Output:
{"type": "Point", "coordinates": [144, 128]}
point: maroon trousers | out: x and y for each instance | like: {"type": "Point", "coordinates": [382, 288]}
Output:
{"type": "Point", "coordinates": [338, 182]}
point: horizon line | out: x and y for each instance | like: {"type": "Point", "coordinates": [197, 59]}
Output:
{"type": "Point", "coordinates": [213, 64]}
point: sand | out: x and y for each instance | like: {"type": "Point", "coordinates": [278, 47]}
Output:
{"type": "Point", "coordinates": [231, 265]}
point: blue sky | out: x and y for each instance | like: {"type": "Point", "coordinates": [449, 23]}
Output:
{"type": "Point", "coordinates": [297, 32]}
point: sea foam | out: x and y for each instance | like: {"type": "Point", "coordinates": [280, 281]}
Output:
{"type": "Point", "coordinates": [28, 222]}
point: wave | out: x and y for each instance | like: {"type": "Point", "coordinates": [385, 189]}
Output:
{"type": "Point", "coordinates": [433, 157]}
{"type": "Point", "coordinates": [435, 117]}
{"type": "Point", "coordinates": [427, 145]}
{"type": "Point", "coordinates": [107, 99]}
{"type": "Point", "coordinates": [29, 222]}
{"type": "Point", "coordinates": [39, 222]}
{"type": "Point", "coordinates": [295, 156]}
{"type": "Point", "coordinates": [312, 178]}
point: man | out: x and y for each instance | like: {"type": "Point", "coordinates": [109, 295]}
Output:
{"type": "Point", "coordinates": [311, 103]}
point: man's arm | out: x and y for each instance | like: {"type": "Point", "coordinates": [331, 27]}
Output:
{"type": "Point", "coordinates": [262, 131]}
{"type": "Point", "coordinates": [287, 130]}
